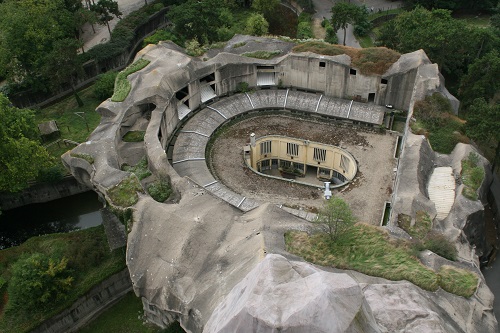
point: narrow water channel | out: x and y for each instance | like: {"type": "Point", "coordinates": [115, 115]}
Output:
{"type": "Point", "coordinates": [75, 212]}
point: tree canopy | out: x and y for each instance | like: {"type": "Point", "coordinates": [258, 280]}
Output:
{"type": "Point", "coordinates": [483, 124]}
{"type": "Point", "coordinates": [37, 280]}
{"type": "Point", "coordinates": [21, 155]}
{"type": "Point", "coordinates": [335, 218]}
{"type": "Point", "coordinates": [106, 10]}
{"type": "Point", "coordinates": [344, 13]}
{"type": "Point", "coordinates": [197, 19]}
{"type": "Point", "coordinates": [482, 79]}
{"type": "Point", "coordinates": [446, 41]}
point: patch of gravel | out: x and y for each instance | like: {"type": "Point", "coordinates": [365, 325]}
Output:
{"type": "Point", "coordinates": [367, 193]}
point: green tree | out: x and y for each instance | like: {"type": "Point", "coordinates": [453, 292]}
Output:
{"type": "Point", "coordinates": [343, 14]}
{"type": "Point", "coordinates": [446, 41]}
{"type": "Point", "coordinates": [21, 155]}
{"type": "Point", "coordinates": [63, 65]}
{"type": "Point", "coordinates": [257, 25]}
{"type": "Point", "coordinates": [481, 79]}
{"type": "Point", "coordinates": [265, 7]}
{"type": "Point", "coordinates": [197, 19]}
{"type": "Point", "coordinates": [483, 124]}
{"type": "Point", "coordinates": [335, 218]}
{"type": "Point", "coordinates": [38, 280]}
{"type": "Point", "coordinates": [28, 30]}
{"type": "Point", "coordinates": [106, 10]}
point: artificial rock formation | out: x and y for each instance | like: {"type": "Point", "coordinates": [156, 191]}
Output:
{"type": "Point", "coordinates": [205, 260]}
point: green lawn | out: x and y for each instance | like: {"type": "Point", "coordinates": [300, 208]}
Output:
{"type": "Point", "coordinates": [126, 316]}
{"type": "Point", "coordinates": [482, 21]}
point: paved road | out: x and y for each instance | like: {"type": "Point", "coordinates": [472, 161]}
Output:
{"type": "Point", "coordinates": [323, 10]}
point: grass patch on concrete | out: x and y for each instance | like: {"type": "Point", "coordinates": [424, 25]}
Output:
{"type": "Point", "coordinates": [90, 262]}
{"type": "Point", "coordinates": [140, 169]}
{"type": "Point", "coordinates": [125, 193]}
{"type": "Point", "coordinates": [472, 176]}
{"type": "Point", "coordinates": [372, 60]}
{"type": "Point", "coordinates": [85, 157]}
{"type": "Point", "coordinates": [134, 136]}
{"type": "Point", "coordinates": [435, 120]}
{"type": "Point", "coordinates": [365, 41]}
{"type": "Point", "coordinates": [262, 54]}
{"type": "Point", "coordinates": [160, 190]}
{"type": "Point", "coordinates": [458, 281]}
{"type": "Point", "coordinates": [122, 85]}
{"type": "Point", "coordinates": [423, 236]}
{"type": "Point", "coordinates": [369, 250]}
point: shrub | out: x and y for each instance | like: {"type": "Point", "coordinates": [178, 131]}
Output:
{"type": "Point", "coordinates": [51, 174]}
{"type": "Point", "coordinates": [331, 35]}
{"type": "Point", "coordinates": [104, 85]}
{"type": "Point", "coordinates": [438, 244]}
{"type": "Point", "coordinates": [158, 36]}
{"type": "Point", "coordinates": [193, 48]}
{"type": "Point", "coordinates": [304, 30]}
{"type": "Point", "coordinates": [257, 25]}
{"type": "Point", "coordinates": [38, 280]}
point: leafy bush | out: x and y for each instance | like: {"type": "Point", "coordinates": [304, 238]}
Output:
{"type": "Point", "coordinates": [257, 25]}
{"type": "Point", "coordinates": [194, 48]}
{"type": "Point", "coordinates": [438, 244]}
{"type": "Point", "coordinates": [160, 190]}
{"type": "Point", "coordinates": [37, 280]}
{"type": "Point", "coordinates": [51, 174]}
{"type": "Point", "coordinates": [304, 30]}
{"type": "Point", "coordinates": [160, 35]}
{"type": "Point", "coordinates": [331, 35]}
{"type": "Point", "coordinates": [104, 85]}
{"type": "Point", "coordinates": [436, 121]}
{"type": "Point", "coordinates": [122, 85]}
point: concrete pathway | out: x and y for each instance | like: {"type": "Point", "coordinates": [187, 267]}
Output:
{"type": "Point", "coordinates": [101, 34]}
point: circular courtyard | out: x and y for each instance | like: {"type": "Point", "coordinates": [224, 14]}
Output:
{"type": "Point", "coordinates": [366, 194]}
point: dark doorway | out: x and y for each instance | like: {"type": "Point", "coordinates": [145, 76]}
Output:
{"type": "Point", "coordinates": [371, 97]}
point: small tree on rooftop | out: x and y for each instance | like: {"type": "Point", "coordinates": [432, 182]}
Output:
{"type": "Point", "coordinates": [335, 218]}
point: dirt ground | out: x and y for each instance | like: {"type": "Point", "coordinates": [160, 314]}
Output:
{"type": "Point", "coordinates": [367, 193]}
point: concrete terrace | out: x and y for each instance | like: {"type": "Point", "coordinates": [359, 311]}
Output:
{"type": "Point", "coordinates": [188, 157]}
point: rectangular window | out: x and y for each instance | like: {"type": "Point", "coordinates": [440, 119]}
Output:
{"type": "Point", "coordinates": [383, 81]}
{"type": "Point", "coordinates": [352, 71]}
{"type": "Point", "coordinates": [319, 154]}
{"type": "Point", "coordinates": [265, 147]}
{"type": "Point", "coordinates": [322, 64]}
{"type": "Point", "coordinates": [292, 149]}
{"type": "Point", "coordinates": [344, 163]}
